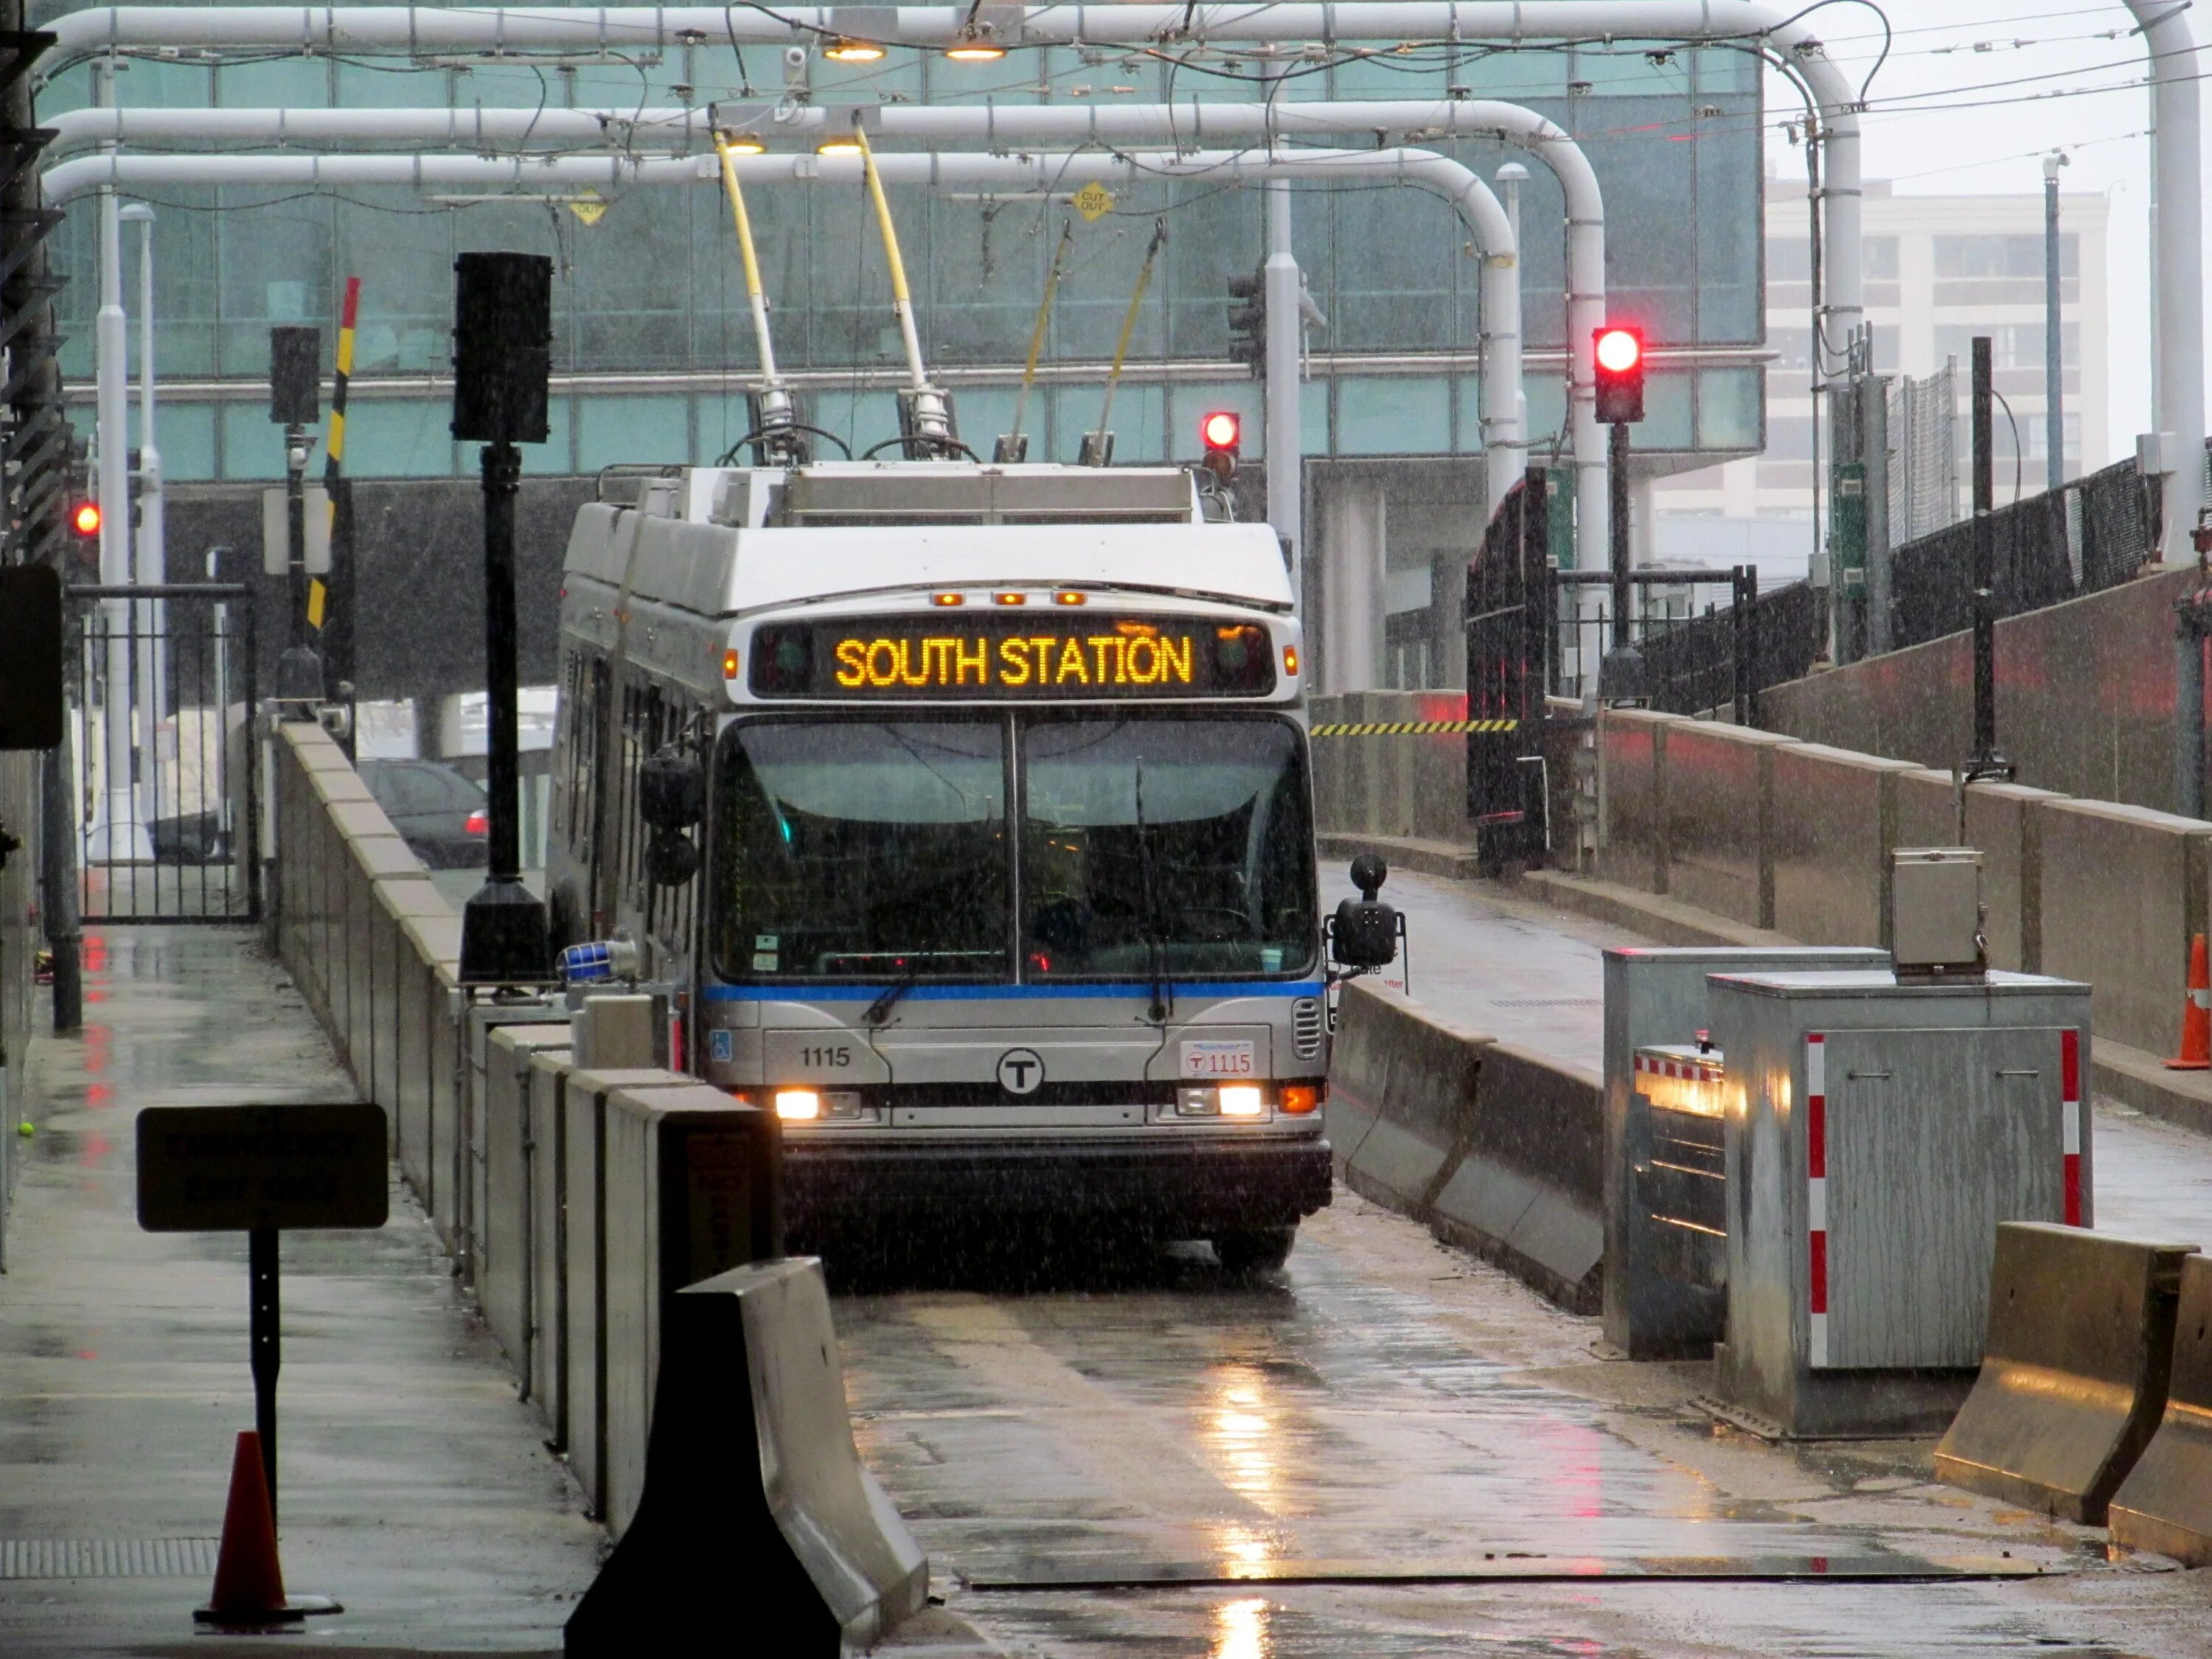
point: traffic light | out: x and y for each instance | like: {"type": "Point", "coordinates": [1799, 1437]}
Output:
{"type": "Point", "coordinates": [1619, 374]}
{"type": "Point", "coordinates": [1221, 431]}
{"type": "Point", "coordinates": [84, 519]}
{"type": "Point", "coordinates": [1248, 321]}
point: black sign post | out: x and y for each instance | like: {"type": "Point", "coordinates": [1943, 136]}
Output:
{"type": "Point", "coordinates": [260, 1170]}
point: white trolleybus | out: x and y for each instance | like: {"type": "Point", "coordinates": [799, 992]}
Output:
{"type": "Point", "coordinates": [966, 811]}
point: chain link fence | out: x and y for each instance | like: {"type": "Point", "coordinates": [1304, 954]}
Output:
{"type": "Point", "coordinates": [1923, 466]}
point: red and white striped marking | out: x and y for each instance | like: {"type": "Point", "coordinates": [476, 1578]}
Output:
{"type": "Point", "coordinates": [1690, 1070]}
{"type": "Point", "coordinates": [1816, 1193]}
{"type": "Point", "coordinates": [2070, 1119]}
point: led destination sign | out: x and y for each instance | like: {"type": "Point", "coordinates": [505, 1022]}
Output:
{"type": "Point", "coordinates": [1040, 656]}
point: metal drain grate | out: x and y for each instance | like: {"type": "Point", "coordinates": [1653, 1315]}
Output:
{"type": "Point", "coordinates": [107, 1558]}
{"type": "Point", "coordinates": [1546, 1002]}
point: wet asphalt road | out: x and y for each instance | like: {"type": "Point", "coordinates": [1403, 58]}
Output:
{"type": "Point", "coordinates": [1385, 1408]}
{"type": "Point", "coordinates": [1128, 1422]}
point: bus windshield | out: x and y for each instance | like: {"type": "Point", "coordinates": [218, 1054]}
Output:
{"type": "Point", "coordinates": [1172, 845]}
{"type": "Point", "coordinates": [1141, 845]}
{"type": "Point", "coordinates": [851, 849]}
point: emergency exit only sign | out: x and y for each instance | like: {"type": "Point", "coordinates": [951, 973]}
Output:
{"type": "Point", "coordinates": [246, 1168]}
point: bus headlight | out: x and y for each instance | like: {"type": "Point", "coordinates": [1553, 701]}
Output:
{"type": "Point", "coordinates": [1242, 1100]}
{"type": "Point", "coordinates": [798, 1105]}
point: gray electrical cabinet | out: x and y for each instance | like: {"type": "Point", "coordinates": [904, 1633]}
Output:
{"type": "Point", "coordinates": [1875, 1134]}
{"type": "Point", "coordinates": [1665, 1275]}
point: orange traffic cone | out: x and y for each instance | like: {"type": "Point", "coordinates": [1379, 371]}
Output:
{"type": "Point", "coordinates": [2195, 1053]}
{"type": "Point", "coordinates": [249, 1584]}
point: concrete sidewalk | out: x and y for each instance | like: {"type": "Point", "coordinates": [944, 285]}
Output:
{"type": "Point", "coordinates": [414, 1486]}
{"type": "Point", "coordinates": [1533, 975]}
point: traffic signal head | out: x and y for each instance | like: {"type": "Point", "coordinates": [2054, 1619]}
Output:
{"type": "Point", "coordinates": [1248, 320]}
{"type": "Point", "coordinates": [1620, 352]}
{"type": "Point", "coordinates": [84, 518]}
{"type": "Point", "coordinates": [1221, 431]}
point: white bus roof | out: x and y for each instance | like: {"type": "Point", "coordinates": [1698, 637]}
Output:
{"type": "Point", "coordinates": [690, 555]}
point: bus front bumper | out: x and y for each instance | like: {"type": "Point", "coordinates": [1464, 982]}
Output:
{"type": "Point", "coordinates": [1188, 1190]}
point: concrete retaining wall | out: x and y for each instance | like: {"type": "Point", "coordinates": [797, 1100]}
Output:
{"type": "Point", "coordinates": [1797, 837]}
{"type": "Point", "coordinates": [572, 1203]}
{"type": "Point", "coordinates": [2085, 696]}
{"type": "Point", "coordinates": [1500, 1151]}
{"type": "Point", "coordinates": [2123, 890]}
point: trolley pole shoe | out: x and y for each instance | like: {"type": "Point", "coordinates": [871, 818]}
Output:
{"type": "Point", "coordinates": [2195, 1053]}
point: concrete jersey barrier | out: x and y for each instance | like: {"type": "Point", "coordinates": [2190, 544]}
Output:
{"type": "Point", "coordinates": [2073, 1377]}
{"type": "Point", "coordinates": [2166, 1503]}
{"type": "Point", "coordinates": [1402, 1082]}
{"type": "Point", "coordinates": [751, 1479]}
{"type": "Point", "coordinates": [1499, 1150]}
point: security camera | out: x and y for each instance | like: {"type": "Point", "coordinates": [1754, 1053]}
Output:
{"type": "Point", "coordinates": [795, 62]}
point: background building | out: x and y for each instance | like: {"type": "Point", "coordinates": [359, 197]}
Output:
{"type": "Point", "coordinates": [1939, 270]}
{"type": "Point", "coordinates": [653, 348]}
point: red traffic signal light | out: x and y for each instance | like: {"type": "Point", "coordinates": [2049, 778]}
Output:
{"type": "Point", "coordinates": [1221, 430]}
{"type": "Point", "coordinates": [84, 518]}
{"type": "Point", "coordinates": [1620, 353]}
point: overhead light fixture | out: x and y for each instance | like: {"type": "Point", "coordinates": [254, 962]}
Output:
{"type": "Point", "coordinates": [975, 52]}
{"type": "Point", "coordinates": [743, 144]}
{"type": "Point", "coordinates": [845, 51]}
{"type": "Point", "coordinates": [838, 147]}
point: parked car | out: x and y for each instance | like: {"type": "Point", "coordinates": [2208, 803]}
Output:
{"type": "Point", "coordinates": [439, 812]}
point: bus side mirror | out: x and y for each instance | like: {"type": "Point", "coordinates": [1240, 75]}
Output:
{"type": "Point", "coordinates": [671, 859]}
{"type": "Point", "coordinates": [672, 790]}
{"type": "Point", "coordinates": [1364, 933]}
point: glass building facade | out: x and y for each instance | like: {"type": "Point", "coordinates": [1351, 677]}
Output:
{"type": "Point", "coordinates": [653, 349]}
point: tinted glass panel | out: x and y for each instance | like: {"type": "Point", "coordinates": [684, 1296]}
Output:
{"type": "Point", "coordinates": [1168, 847]}
{"type": "Point", "coordinates": [862, 850]}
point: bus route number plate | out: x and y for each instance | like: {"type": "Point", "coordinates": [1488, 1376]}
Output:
{"type": "Point", "coordinates": [1207, 1061]}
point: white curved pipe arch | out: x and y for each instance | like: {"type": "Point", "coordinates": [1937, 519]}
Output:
{"type": "Point", "coordinates": [988, 126]}
{"type": "Point", "coordinates": [1504, 442]}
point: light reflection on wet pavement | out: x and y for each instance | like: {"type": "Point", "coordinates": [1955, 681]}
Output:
{"type": "Point", "coordinates": [1382, 1407]}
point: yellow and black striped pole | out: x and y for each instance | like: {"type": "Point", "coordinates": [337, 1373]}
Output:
{"type": "Point", "coordinates": [334, 450]}
{"type": "Point", "coordinates": [1407, 728]}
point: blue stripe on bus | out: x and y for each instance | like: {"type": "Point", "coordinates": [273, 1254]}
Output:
{"type": "Point", "coordinates": [800, 992]}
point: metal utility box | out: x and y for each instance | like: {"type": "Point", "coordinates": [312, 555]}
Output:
{"type": "Point", "coordinates": [1936, 911]}
{"type": "Point", "coordinates": [1663, 1301]}
{"type": "Point", "coordinates": [1876, 1133]}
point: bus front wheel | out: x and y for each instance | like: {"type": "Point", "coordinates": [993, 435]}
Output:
{"type": "Point", "coordinates": [1255, 1249]}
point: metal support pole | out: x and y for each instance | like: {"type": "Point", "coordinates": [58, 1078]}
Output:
{"type": "Point", "coordinates": [58, 809]}
{"type": "Point", "coordinates": [1985, 761]}
{"type": "Point", "coordinates": [265, 1344]}
{"type": "Point", "coordinates": [2188, 709]}
{"type": "Point", "coordinates": [1743, 596]}
{"type": "Point", "coordinates": [502, 477]}
{"type": "Point", "coordinates": [503, 934]}
{"type": "Point", "coordinates": [149, 561]}
{"type": "Point", "coordinates": [1617, 537]}
{"type": "Point", "coordinates": [118, 834]}
{"type": "Point", "coordinates": [1873, 451]}
{"type": "Point", "coordinates": [2054, 366]}
{"type": "Point", "coordinates": [1285, 439]}
{"type": "Point", "coordinates": [295, 535]}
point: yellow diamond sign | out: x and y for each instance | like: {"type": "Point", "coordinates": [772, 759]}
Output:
{"type": "Point", "coordinates": [587, 205]}
{"type": "Point", "coordinates": [1094, 200]}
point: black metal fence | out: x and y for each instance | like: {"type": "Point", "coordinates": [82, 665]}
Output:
{"type": "Point", "coordinates": [165, 688]}
{"type": "Point", "coordinates": [2092, 534]}
{"type": "Point", "coordinates": [1698, 653]}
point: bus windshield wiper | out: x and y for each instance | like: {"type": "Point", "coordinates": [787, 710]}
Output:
{"type": "Point", "coordinates": [1162, 992]}
{"type": "Point", "coordinates": [889, 996]}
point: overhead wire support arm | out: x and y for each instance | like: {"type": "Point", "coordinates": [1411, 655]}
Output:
{"type": "Point", "coordinates": [1014, 447]}
{"type": "Point", "coordinates": [1098, 446]}
{"type": "Point", "coordinates": [778, 440]}
{"type": "Point", "coordinates": [929, 420]}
